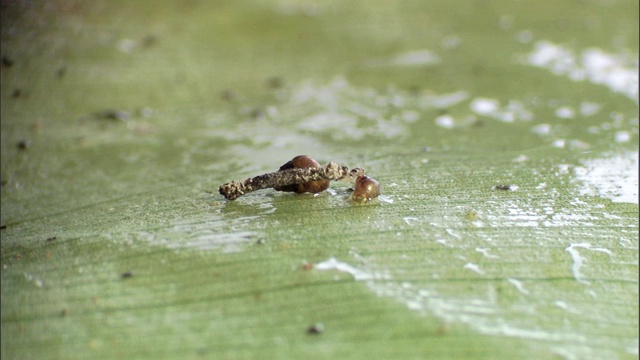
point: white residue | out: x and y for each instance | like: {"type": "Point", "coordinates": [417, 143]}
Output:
{"type": "Point", "coordinates": [452, 233]}
{"type": "Point", "coordinates": [578, 260]}
{"type": "Point", "coordinates": [358, 274]}
{"type": "Point", "coordinates": [542, 129]}
{"type": "Point", "coordinates": [563, 305]}
{"type": "Point", "coordinates": [409, 58]}
{"type": "Point", "coordinates": [520, 159]}
{"type": "Point", "coordinates": [565, 112]}
{"type": "Point", "coordinates": [445, 121]}
{"type": "Point", "coordinates": [618, 72]}
{"type": "Point", "coordinates": [622, 136]}
{"type": "Point", "coordinates": [473, 267]}
{"type": "Point", "coordinates": [513, 111]}
{"type": "Point", "coordinates": [486, 253]}
{"type": "Point", "coordinates": [483, 106]}
{"type": "Point", "coordinates": [615, 178]}
{"type": "Point", "coordinates": [444, 101]}
{"type": "Point", "coordinates": [418, 57]}
{"type": "Point", "coordinates": [589, 108]}
{"type": "Point", "coordinates": [518, 285]}
{"type": "Point", "coordinates": [410, 220]}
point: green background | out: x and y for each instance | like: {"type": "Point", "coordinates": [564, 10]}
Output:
{"type": "Point", "coordinates": [132, 113]}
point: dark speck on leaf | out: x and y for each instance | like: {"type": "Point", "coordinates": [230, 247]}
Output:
{"type": "Point", "coordinates": [61, 72]}
{"type": "Point", "coordinates": [6, 62]}
{"type": "Point", "coordinates": [16, 93]}
{"type": "Point", "coordinates": [24, 144]}
{"type": "Point", "coordinates": [315, 329]}
{"type": "Point", "coordinates": [258, 114]}
{"type": "Point", "coordinates": [127, 275]}
{"type": "Point", "coordinates": [149, 41]}
{"type": "Point", "coordinates": [110, 114]}
{"type": "Point", "coordinates": [275, 82]}
{"type": "Point", "coordinates": [229, 95]}
{"type": "Point", "coordinates": [506, 187]}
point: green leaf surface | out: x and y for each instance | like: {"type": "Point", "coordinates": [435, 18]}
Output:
{"type": "Point", "coordinates": [504, 134]}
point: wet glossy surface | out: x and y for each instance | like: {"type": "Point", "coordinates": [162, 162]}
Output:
{"type": "Point", "coordinates": [120, 120]}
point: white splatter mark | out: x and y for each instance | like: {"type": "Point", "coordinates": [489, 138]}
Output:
{"type": "Point", "coordinates": [518, 285]}
{"type": "Point", "coordinates": [618, 72]}
{"type": "Point", "coordinates": [473, 267]}
{"type": "Point", "coordinates": [520, 159]}
{"type": "Point", "coordinates": [513, 111]}
{"type": "Point", "coordinates": [409, 58]}
{"type": "Point", "coordinates": [410, 220]}
{"type": "Point", "coordinates": [485, 252]}
{"type": "Point", "coordinates": [358, 274]}
{"type": "Point", "coordinates": [589, 108]}
{"type": "Point", "coordinates": [622, 136]}
{"type": "Point", "coordinates": [542, 129]}
{"type": "Point", "coordinates": [615, 178]}
{"type": "Point", "coordinates": [452, 233]}
{"type": "Point", "coordinates": [445, 121]}
{"type": "Point", "coordinates": [443, 242]}
{"type": "Point", "coordinates": [418, 57]}
{"type": "Point", "coordinates": [578, 260]}
{"type": "Point", "coordinates": [563, 305]}
{"type": "Point", "coordinates": [444, 101]}
{"type": "Point", "coordinates": [484, 106]}
{"type": "Point", "coordinates": [565, 112]}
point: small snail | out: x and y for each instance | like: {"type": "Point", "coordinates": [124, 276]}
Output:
{"type": "Point", "coordinates": [366, 189]}
{"type": "Point", "coordinates": [303, 161]}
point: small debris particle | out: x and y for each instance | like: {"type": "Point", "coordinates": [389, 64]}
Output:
{"type": "Point", "coordinates": [258, 114]}
{"type": "Point", "coordinates": [18, 256]}
{"type": "Point", "coordinates": [127, 275]}
{"type": "Point", "coordinates": [506, 187]}
{"type": "Point", "coordinates": [6, 62]}
{"type": "Point", "coordinates": [61, 72]}
{"type": "Point", "coordinates": [315, 329]}
{"type": "Point", "coordinates": [110, 114]}
{"type": "Point", "coordinates": [149, 41]}
{"type": "Point", "coordinates": [472, 215]}
{"type": "Point", "coordinates": [24, 144]}
{"type": "Point", "coordinates": [64, 312]}
{"type": "Point", "coordinates": [16, 93]}
{"type": "Point", "coordinates": [229, 95]}
{"type": "Point", "coordinates": [443, 329]}
{"type": "Point", "coordinates": [275, 82]}
{"type": "Point", "coordinates": [307, 266]}
{"type": "Point", "coordinates": [53, 238]}
{"type": "Point", "coordinates": [145, 112]}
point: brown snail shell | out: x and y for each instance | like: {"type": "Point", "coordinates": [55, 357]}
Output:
{"type": "Point", "coordinates": [366, 189]}
{"type": "Point", "coordinates": [303, 161]}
